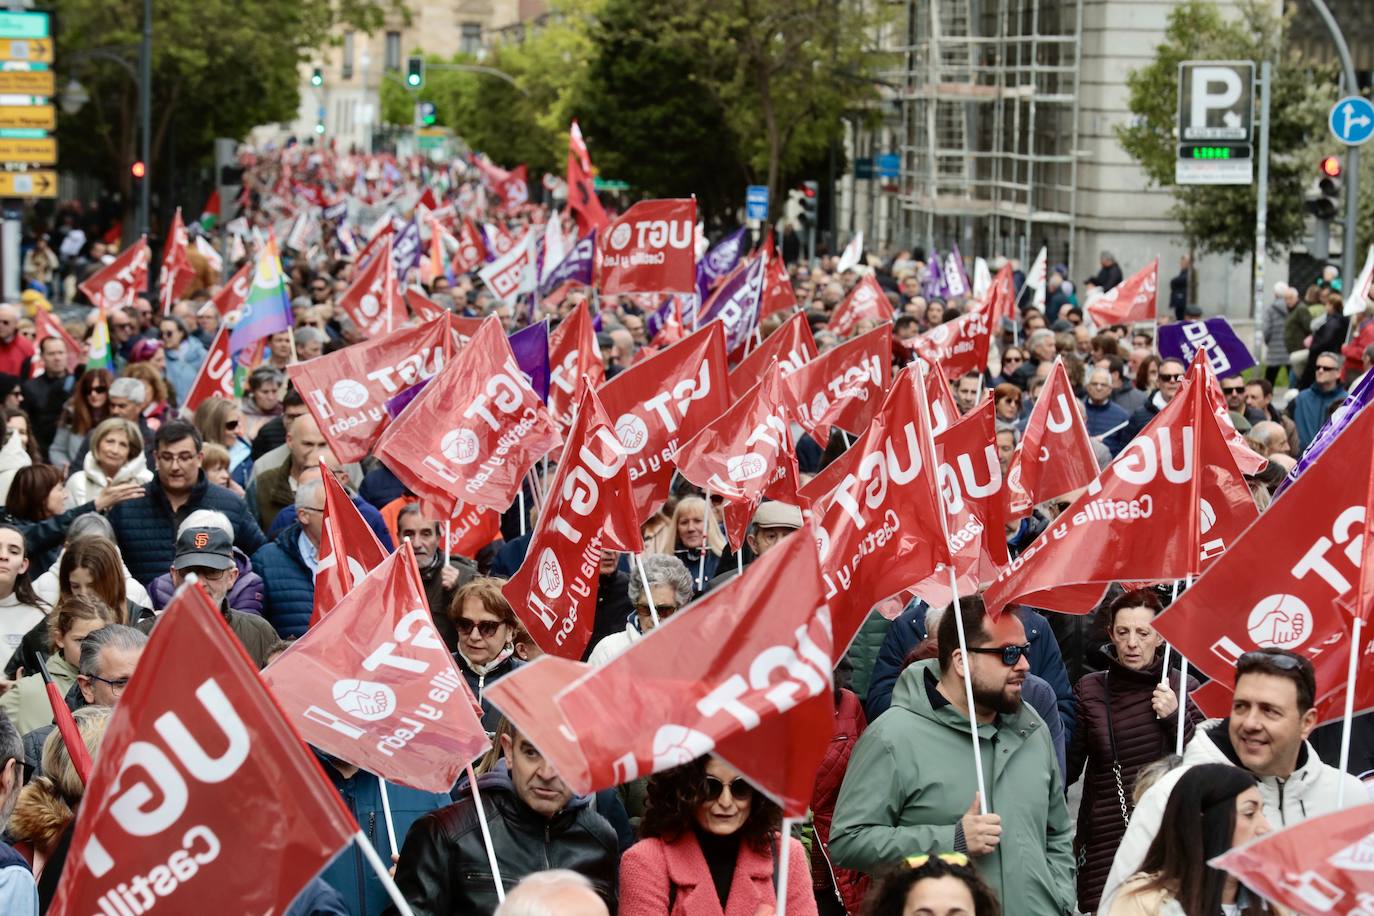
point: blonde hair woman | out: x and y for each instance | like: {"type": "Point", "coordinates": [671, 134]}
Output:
{"type": "Point", "coordinates": [696, 543]}
{"type": "Point", "coordinates": [115, 457]}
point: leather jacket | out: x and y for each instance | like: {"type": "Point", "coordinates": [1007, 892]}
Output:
{"type": "Point", "coordinates": [443, 867]}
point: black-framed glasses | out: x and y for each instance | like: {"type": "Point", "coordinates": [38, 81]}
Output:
{"type": "Point", "coordinates": [1234, 389]}
{"type": "Point", "coordinates": [1171, 376]}
{"type": "Point", "coordinates": [117, 685]}
{"type": "Point", "coordinates": [740, 790]}
{"type": "Point", "coordinates": [486, 628]}
{"type": "Point", "coordinates": [663, 610]}
{"type": "Point", "coordinates": [231, 424]}
{"type": "Point", "coordinates": [1012, 359]}
{"type": "Point", "coordinates": [1321, 368]}
{"type": "Point", "coordinates": [100, 389]}
{"type": "Point", "coordinates": [1010, 654]}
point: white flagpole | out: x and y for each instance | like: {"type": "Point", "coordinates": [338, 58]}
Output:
{"type": "Point", "coordinates": [386, 815]}
{"type": "Point", "coordinates": [1355, 628]}
{"type": "Point", "coordinates": [520, 498]}
{"type": "Point", "coordinates": [486, 836]}
{"type": "Point", "coordinates": [644, 582]}
{"type": "Point", "coordinates": [706, 545]}
{"type": "Point", "coordinates": [1182, 687]}
{"type": "Point", "coordinates": [784, 859]}
{"type": "Point", "coordinates": [1164, 670]}
{"type": "Point", "coordinates": [394, 892]}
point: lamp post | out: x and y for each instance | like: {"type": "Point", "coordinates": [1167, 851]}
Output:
{"type": "Point", "coordinates": [145, 85]}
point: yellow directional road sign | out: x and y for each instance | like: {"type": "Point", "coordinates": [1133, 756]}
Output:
{"type": "Point", "coordinates": [40, 117]}
{"type": "Point", "coordinates": [27, 82]}
{"type": "Point", "coordinates": [33, 50]}
{"type": "Point", "coordinates": [42, 152]}
{"type": "Point", "coordinates": [28, 184]}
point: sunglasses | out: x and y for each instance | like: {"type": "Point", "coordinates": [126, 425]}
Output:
{"type": "Point", "coordinates": [949, 858]}
{"type": "Point", "coordinates": [664, 610]}
{"type": "Point", "coordinates": [231, 424]}
{"type": "Point", "coordinates": [1234, 389]}
{"type": "Point", "coordinates": [486, 629]}
{"type": "Point", "coordinates": [1171, 376]}
{"type": "Point", "coordinates": [1011, 359]}
{"type": "Point", "coordinates": [1273, 659]}
{"type": "Point", "coordinates": [740, 790]}
{"type": "Point", "coordinates": [1321, 368]}
{"type": "Point", "coordinates": [100, 389]}
{"type": "Point", "coordinates": [1010, 654]}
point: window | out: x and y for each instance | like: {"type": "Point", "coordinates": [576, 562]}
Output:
{"type": "Point", "coordinates": [393, 50]}
{"type": "Point", "coordinates": [471, 41]}
{"type": "Point", "coordinates": [347, 56]}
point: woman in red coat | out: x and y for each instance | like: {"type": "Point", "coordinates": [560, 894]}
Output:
{"type": "Point", "coordinates": [710, 847]}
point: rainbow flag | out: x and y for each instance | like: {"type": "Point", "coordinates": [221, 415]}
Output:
{"type": "Point", "coordinates": [267, 309]}
{"type": "Point", "coordinates": [98, 355]}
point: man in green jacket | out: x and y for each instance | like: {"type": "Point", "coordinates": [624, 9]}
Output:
{"type": "Point", "coordinates": [911, 788]}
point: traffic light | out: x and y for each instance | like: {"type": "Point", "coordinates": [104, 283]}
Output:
{"type": "Point", "coordinates": [1323, 206]}
{"type": "Point", "coordinates": [317, 77]}
{"type": "Point", "coordinates": [810, 200]}
{"type": "Point", "coordinates": [429, 115]}
{"type": "Point", "coordinates": [415, 72]}
{"type": "Point", "coordinates": [138, 170]}
{"type": "Point", "coordinates": [319, 127]}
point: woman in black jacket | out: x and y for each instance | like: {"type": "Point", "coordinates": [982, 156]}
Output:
{"type": "Point", "coordinates": [486, 626]}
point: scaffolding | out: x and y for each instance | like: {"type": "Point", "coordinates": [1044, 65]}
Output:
{"type": "Point", "coordinates": [989, 100]}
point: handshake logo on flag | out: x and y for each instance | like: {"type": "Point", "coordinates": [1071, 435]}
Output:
{"type": "Point", "coordinates": [364, 700]}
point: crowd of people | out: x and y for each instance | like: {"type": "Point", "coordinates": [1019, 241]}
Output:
{"type": "Point", "coordinates": [114, 494]}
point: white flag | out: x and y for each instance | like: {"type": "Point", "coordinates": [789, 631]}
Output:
{"type": "Point", "coordinates": [513, 273]}
{"type": "Point", "coordinates": [982, 278]}
{"type": "Point", "coordinates": [1036, 279]}
{"type": "Point", "coordinates": [852, 253]}
{"type": "Point", "coordinates": [1356, 299]}
{"type": "Point", "coordinates": [554, 249]}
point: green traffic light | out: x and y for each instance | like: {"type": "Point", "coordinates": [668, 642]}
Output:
{"type": "Point", "coordinates": [413, 79]}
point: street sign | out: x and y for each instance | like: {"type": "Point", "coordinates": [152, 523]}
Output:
{"type": "Point", "coordinates": [24, 25]}
{"type": "Point", "coordinates": [28, 82]}
{"type": "Point", "coordinates": [33, 50]}
{"type": "Point", "coordinates": [1216, 122]}
{"type": "Point", "coordinates": [28, 184]}
{"type": "Point", "coordinates": [40, 152]}
{"type": "Point", "coordinates": [889, 165]}
{"type": "Point", "coordinates": [756, 202]}
{"type": "Point", "coordinates": [28, 117]}
{"type": "Point", "coordinates": [1352, 120]}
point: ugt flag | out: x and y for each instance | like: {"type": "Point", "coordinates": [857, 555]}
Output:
{"type": "Point", "coordinates": [267, 309]}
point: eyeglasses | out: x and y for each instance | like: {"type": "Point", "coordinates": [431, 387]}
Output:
{"type": "Point", "coordinates": [204, 572]}
{"type": "Point", "coordinates": [663, 609]}
{"type": "Point", "coordinates": [100, 389]}
{"type": "Point", "coordinates": [1011, 359]}
{"type": "Point", "coordinates": [740, 790]}
{"type": "Point", "coordinates": [952, 858]}
{"type": "Point", "coordinates": [1234, 389]}
{"type": "Point", "coordinates": [122, 326]}
{"type": "Point", "coordinates": [486, 629]}
{"type": "Point", "coordinates": [183, 458]}
{"type": "Point", "coordinates": [167, 334]}
{"type": "Point", "coordinates": [1321, 368]}
{"type": "Point", "coordinates": [1271, 659]}
{"type": "Point", "coordinates": [1171, 376]}
{"type": "Point", "coordinates": [117, 685]}
{"type": "Point", "coordinates": [1010, 654]}
{"type": "Point", "coordinates": [231, 424]}
{"type": "Point", "coordinates": [318, 289]}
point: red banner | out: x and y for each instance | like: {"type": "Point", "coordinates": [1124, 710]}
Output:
{"type": "Point", "coordinates": [348, 549]}
{"type": "Point", "coordinates": [122, 280]}
{"type": "Point", "coordinates": [423, 307]}
{"type": "Point", "coordinates": [472, 250]}
{"type": "Point", "coordinates": [844, 386]}
{"type": "Point", "coordinates": [1001, 298]}
{"type": "Point", "coordinates": [374, 684]}
{"type": "Point", "coordinates": [582, 199]}
{"type": "Point", "coordinates": [372, 301]}
{"type": "Point", "coordinates": [1129, 301]}
{"type": "Point", "coordinates": [232, 294]}
{"type": "Point", "coordinates": [474, 433]}
{"type": "Point", "coordinates": [1055, 456]}
{"type": "Point", "coordinates": [792, 345]}
{"type": "Point", "coordinates": [202, 790]}
{"type": "Point", "coordinates": [960, 346]}
{"type": "Point", "coordinates": [574, 362]}
{"type": "Point", "coordinates": [216, 376]}
{"type": "Point", "coordinates": [865, 300]}
{"type": "Point", "coordinates": [589, 509]}
{"type": "Point", "coordinates": [661, 403]}
{"type": "Point", "coordinates": [177, 272]}
{"type": "Point", "coordinates": [651, 248]}
{"type": "Point", "coordinates": [45, 325]}
{"type": "Point", "coordinates": [778, 294]}
{"type": "Point", "coordinates": [346, 390]}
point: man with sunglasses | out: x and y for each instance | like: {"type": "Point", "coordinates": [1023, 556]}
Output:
{"type": "Point", "coordinates": [1311, 407]}
{"type": "Point", "coordinates": [1273, 712]}
{"type": "Point", "coordinates": [910, 787]}
{"type": "Point", "coordinates": [1233, 389]}
{"type": "Point", "coordinates": [1170, 380]}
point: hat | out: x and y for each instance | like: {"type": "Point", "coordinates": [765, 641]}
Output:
{"type": "Point", "coordinates": [1192, 310]}
{"type": "Point", "coordinates": [206, 548]}
{"type": "Point", "coordinates": [777, 515]}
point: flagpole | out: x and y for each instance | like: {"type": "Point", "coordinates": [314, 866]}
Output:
{"type": "Point", "coordinates": [486, 836]}
{"type": "Point", "coordinates": [1355, 627]}
{"type": "Point", "coordinates": [706, 545]}
{"type": "Point", "coordinates": [784, 859]}
{"type": "Point", "coordinates": [1164, 671]}
{"type": "Point", "coordinates": [386, 814]}
{"type": "Point", "coordinates": [1182, 688]}
{"type": "Point", "coordinates": [520, 500]}
{"type": "Point", "coordinates": [644, 582]}
{"type": "Point", "coordinates": [394, 892]}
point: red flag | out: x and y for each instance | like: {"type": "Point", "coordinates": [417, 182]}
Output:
{"type": "Point", "coordinates": [574, 362]}
{"type": "Point", "coordinates": [216, 376]}
{"type": "Point", "coordinates": [778, 295]}
{"type": "Point", "coordinates": [122, 280]}
{"type": "Point", "coordinates": [232, 295]}
{"type": "Point", "coordinates": [649, 249]}
{"type": "Point", "coordinates": [371, 301]}
{"type": "Point", "coordinates": [740, 453]}
{"type": "Point", "coordinates": [865, 300]}
{"type": "Point", "coordinates": [1247, 459]}
{"type": "Point", "coordinates": [681, 690]}
{"type": "Point", "coordinates": [792, 345]}
{"type": "Point", "coordinates": [960, 346]}
{"type": "Point", "coordinates": [582, 199]}
{"type": "Point", "coordinates": [1171, 501]}
{"type": "Point", "coordinates": [348, 550]}
{"type": "Point", "coordinates": [661, 403]}
{"type": "Point", "coordinates": [46, 325]}
{"type": "Point", "coordinates": [1284, 582]}
{"type": "Point", "coordinates": [1324, 864]}
{"type": "Point", "coordinates": [1055, 455]}
{"type": "Point", "coordinates": [589, 509]}
{"type": "Point", "coordinates": [475, 432]}
{"type": "Point", "coordinates": [177, 272]}
{"type": "Point", "coordinates": [844, 386]}
{"type": "Point", "coordinates": [470, 528]}
{"type": "Point", "coordinates": [944, 409]}
{"type": "Point", "coordinates": [472, 250]}
{"type": "Point", "coordinates": [202, 790]}
{"type": "Point", "coordinates": [1001, 300]}
{"type": "Point", "coordinates": [374, 684]}
{"type": "Point", "coordinates": [880, 529]}
{"type": "Point", "coordinates": [423, 307]}
{"type": "Point", "coordinates": [1129, 301]}
{"type": "Point", "coordinates": [346, 390]}
{"type": "Point", "coordinates": [971, 485]}
{"type": "Point", "coordinates": [383, 236]}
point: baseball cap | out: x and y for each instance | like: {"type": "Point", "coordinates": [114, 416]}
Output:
{"type": "Point", "coordinates": [777, 515]}
{"type": "Point", "coordinates": [204, 548]}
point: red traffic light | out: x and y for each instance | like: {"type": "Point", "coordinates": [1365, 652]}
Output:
{"type": "Point", "coordinates": [138, 169]}
{"type": "Point", "coordinates": [807, 190]}
{"type": "Point", "coordinates": [1331, 167]}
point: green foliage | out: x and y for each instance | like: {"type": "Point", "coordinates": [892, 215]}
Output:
{"type": "Point", "coordinates": [1221, 219]}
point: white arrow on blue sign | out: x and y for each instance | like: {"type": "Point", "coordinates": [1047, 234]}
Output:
{"type": "Point", "coordinates": [1352, 120]}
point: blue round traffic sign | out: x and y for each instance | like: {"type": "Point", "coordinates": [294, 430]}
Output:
{"type": "Point", "coordinates": [1352, 120]}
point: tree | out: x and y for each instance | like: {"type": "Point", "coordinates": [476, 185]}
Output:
{"type": "Point", "coordinates": [1221, 218]}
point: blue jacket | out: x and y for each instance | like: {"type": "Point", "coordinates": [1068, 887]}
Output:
{"type": "Point", "coordinates": [288, 584]}
{"type": "Point", "coordinates": [511, 556]}
{"type": "Point", "coordinates": [349, 873]}
{"type": "Point", "coordinates": [183, 363]}
{"type": "Point", "coordinates": [1309, 411]}
{"type": "Point", "coordinates": [146, 528]}
{"type": "Point", "coordinates": [1101, 417]}
{"type": "Point", "coordinates": [18, 890]}
{"type": "Point", "coordinates": [369, 513]}
{"type": "Point", "coordinates": [319, 899]}
{"type": "Point", "coordinates": [910, 628]}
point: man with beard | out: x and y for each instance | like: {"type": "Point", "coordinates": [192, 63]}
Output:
{"type": "Point", "coordinates": [910, 787]}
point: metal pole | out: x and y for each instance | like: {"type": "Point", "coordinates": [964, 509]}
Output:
{"type": "Point", "coordinates": [1261, 207]}
{"type": "Point", "coordinates": [145, 113]}
{"type": "Point", "coordinates": [1352, 153]}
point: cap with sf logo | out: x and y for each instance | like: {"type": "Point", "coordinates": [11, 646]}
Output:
{"type": "Point", "coordinates": [203, 548]}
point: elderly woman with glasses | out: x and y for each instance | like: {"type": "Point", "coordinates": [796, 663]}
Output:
{"type": "Point", "coordinates": [486, 626]}
{"type": "Point", "coordinates": [184, 354]}
{"type": "Point", "coordinates": [670, 587]}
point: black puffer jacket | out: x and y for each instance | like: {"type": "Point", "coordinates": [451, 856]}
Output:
{"type": "Point", "coordinates": [146, 528]}
{"type": "Point", "coordinates": [443, 868]}
{"type": "Point", "coordinates": [1140, 739]}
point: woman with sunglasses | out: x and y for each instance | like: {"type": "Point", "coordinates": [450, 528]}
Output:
{"type": "Point", "coordinates": [115, 458]}
{"type": "Point", "coordinates": [219, 420]}
{"type": "Point", "coordinates": [184, 353]}
{"type": "Point", "coordinates": [709, 846]}
{"type": "Point", "coordinates": [670, 588]}
{"type": "Point", "coordinates": [486, 626]}
{"type": "Point", "coordinates": [1012, 359]}
{"type": "Point", "coordinates": [87, 407]}
{"type": "Point", "coordinates": [939, 885]}
{"type": "Point", "coordinates": [1127, 717]}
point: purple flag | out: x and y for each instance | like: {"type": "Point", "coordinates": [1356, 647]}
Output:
{"type": "Point", "coordinates": [405, 250]}
{"type": "Point", "coordinates": [531, 348]}
{"type": "Point", "coordinates": [655, 320]}
{"type": "Point", "coordinates": [955, 277]}
{"type": "Point", "coordinates": [576, 266]}
{"type": "Point", "coordinates": [1225, 351]}
{"type": "Point", "coordinates": [1358, 398]}
{"type": "Point", "coordinates": [335, 213]}
{"type": "Point", "coordinates": [720, 261]}
{"type": "Point", "coordinates": [736, 303]}
{"type": "Point", "coordinates": [394, 405]}
{"type": "Point", "coordinates": [934, 287]}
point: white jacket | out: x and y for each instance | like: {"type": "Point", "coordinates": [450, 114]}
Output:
{"type": "Point", "coordinates": [48, 585]}
{"type": "Point", "coordinates": [611, 646]}
{"type": "Point", "coordinates": [1310, 791]}
{"type": "Point", "coordinates": [88, 483]}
